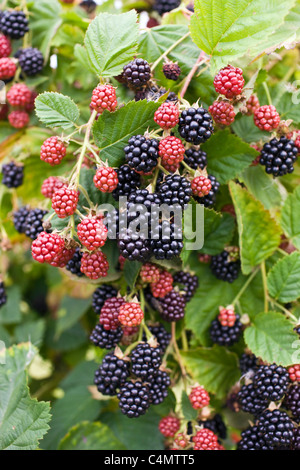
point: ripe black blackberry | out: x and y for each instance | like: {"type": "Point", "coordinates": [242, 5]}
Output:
{"type": "Point", "coordinates": [175, 189]}
{"type": "Point", "coordinates": [195, 158]}
{"type": "Point", "coordinates": [278, 156]}
{"type": "Point", "coordinates": [296, 439]}
{"type": "Point", "coordinates": [134, 399]}
{"type": "Point", "coordinates": [216, 425]}
{"type": "Point", "coordinates": [169, 242]}
{"type": "Point", "coordinates": [137, 73]}
{"type": "Point", "coordinates": [129, 181]}
{"type": "Point", "coordinates": [106, 339]}
{"type": "Point", "coordinates": [172, 307]}
{"type": "Point", "coordinates": [145, 361]}
{"type": "Point", "coordinates": [171, 71]}
{"type": "Point", "coordinates": [137, 202]}
{"type": "Point", "coordinates": [292, 401]}
{"type": "Point", "coordinates": [14, 24]}
{"type": "Point", "coordinates": [223, 268]}
{"type": "Point", "coordinates": [276, 428]}
{"type": "Point", "coordinates": [3, 297]}
{"type": "Point", "coordinates": [19, 218]}
{"type": "Point", "coordinates": [164, 6]}
{"type": "Point", "coordinates": [248, 362]}
{"type": "Point", "coordinates": [141, 154]}
{"type": "Point", "coordinates": [271, 382]}
{"type": "Point", "coordinates": [31, 61]}
{"type": "Point", "coordinates": [158, 387]}
{"type": "Point", "coordinates": [195, 125]}
{"type": "Point", "coordinates": [250, 400]}
{"type": "Point", "coordinates": [88, 5]}
{"type": "Point", "coordinates": [210, 199]}
{"type": "Point", "coordinates": [188, 281]}
{"type": "Point", "coordinates": [226, 335]}
{"type": "Point", "coordinates": [134, 248]}
{"type": "Point", "coordinates": [13, 175]}
{"type": "Point", "coordinates": [172, 97]}
{"type": "Point", "coordinates": [162, 336]}
{"type": "Point", "coordinates": [34, 223]}
{"type": "Point", "coordinates": [112, 373]}
{"type": "Point", "coordinates": [100, 295]}
{"type": "Point", "coordinates": [252, 440]}
{"type": "Point", "coordinates": [74, 264]}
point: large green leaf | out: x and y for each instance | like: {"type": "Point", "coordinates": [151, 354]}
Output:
{"type": "Point", "coordinates": [290, 220]}
{"type": "Point", "coordinates": [10, 312]}
{"type": "Point", "coordinates": [258, 232]}
{"type": "Point", "coordinates": [111, 42]}
{"type": "Point", "coordinates": [44, 22]}
{"type": "Point", "coordinates": [56, 110]}
{"type": "Point", "coordinates": [214, 368]}
{"type": "Point", "coordinates": [112, 130]}
{"type": "Point", "coordinates": [266, 189]}
{"type": "Point", "coordinates": [272, 338]}
{"type": "Point", "coordinates": [69, 312]}
{"type": "Point", "coordinates": [227, 155]}
{"type": "Point", "coordinates": [284, 278]}
{"type": "Point", "coordinates": [227, 30]}
{"type": "Point", "coordinates": [23, 421]}
{"type": "Point", "coordinates": [90, 436]}
{"type": "Point", "coordinates": [218, 231]}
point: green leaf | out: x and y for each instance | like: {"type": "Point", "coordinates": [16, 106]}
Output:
{"type": "Point", "coordinates": [188, 411]}
{"type": "Point", "coordinates": [227, 155]}
{"type": "Point", "coordinates": [90, 436]}
{"type": "Point", "coordinates": [284, 279]}
{"type": "Point", "coordinates": [44, 20]}
{"type": "Point", "coordinates": [214, 368]}
{"type": "Point", "coordinates": [69, 312]}
{"type": "Point", "coordinates": [263, 187]}
{"type": "Point", "coordinates": [245, 128]}
{"type": "Point", "coordinates": [32, 331]}
{"type": "Point", "coordinates": [218, 231]}
{"type": "Point", "coordinates": [258, 232]}
{"type": "Point", "coordinates": [228, 30]}
{"type": "Point", "coordinates": [56, 110]}
{"type": "Point", "coordinates": [113, 130]}
{"type": "Point", "coordinates": [290, 220]}
{"type": "Point", "coordinates": [23, 420]}
{"type": "Point", "coordinates": [131, 272]}
{"type": "Point", "coordinates": [111, 42]}
{"type": "Point", "coordinates": [271, 337]}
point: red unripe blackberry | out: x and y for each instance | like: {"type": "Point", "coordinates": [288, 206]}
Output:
{"type": "Point", "coordinates": [19, 95]}
{"type": "Point", "coordinates": [294, 373]}
{"type": "Point", "coordinates": [109, 315]}
{"type": "Point", "coordinates": [106, 179]}
{"type": "Point", "coordinates": [203, 258]}
{"type": "Point", "coordinates": [149, 273]}
{"type": "Point", "coordinates": [46, 247]}
{"type": "Point", "coordinates": [131, 314]}
{"type": "Point", "coordinates": [145, 361]}
{"type": "Point", "coordinates": [222, 112]}
{"type": "Point", "coordinates": [50, 185]}
{"type": "Point", "coordinates": [94, 265]}
{"type": "Point", "coordinates": [252, 105]}
{"type": "Point", "coordinates": [266, 118]}
{"type": "Point", "coordinates": [201, 186]}
{"type": "Point", "coordinates": [64, 202]}
{"type": "Point", "coordinates": [163, 286]}
{"type": "Point", "coordinates": [53, 151]}
{"type": "Point", "coordinates": [199, 398]}
{"type": "Point", "coordinates": [92, 233]}
{"type": "Point", "coordinates": [181, 440]}
{"type": "Point", "coordinates": [167, 115]}
{"type": "Point", "coordinates": [205, 439]}
{"type": "Point", "coordinates": [169, 426]}
{"type": "Point", "coordinates": [137, 73]}
{"type": "Point", "coordinates": [172, 307]}
{"type": "Point", "coordinates": [7, 68]}
{"type": "Point", "coordinates": [227, 316]}
{"type": "Point", "coordinates": [5, 46]}
{"type": "Point", "coordinates": [31, 105]}
{"type": "Point", "coordinates": [152, 22]}
{"type": "Point", "coordinates": [61, 259]}
{"type": "Point", "coordinates": [229, 82]}
{"type": "Point", "coordinates": [18, 119]}
{"type": "Point", "coordinates": [171, 71]}
{"type": "Point", "coordinates": [171, 150]}
{"type": "Point", "coordinates": [121, 262]}
{"type": "Point", "coordinates": [171, 168]}
{"type": "Point", "coordinates": [104, 97]}
{"type": "Point", "coordinates": [134, 399]}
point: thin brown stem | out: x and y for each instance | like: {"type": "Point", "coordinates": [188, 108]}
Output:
{"type": "Point", "coordinates": [191, 74]}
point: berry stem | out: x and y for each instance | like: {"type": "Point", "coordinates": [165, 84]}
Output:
{"type": "Point", "coordinates": [185, 344]}
{"type": "Point", "coordinates": [160, 167]}
{"type": "Point", "coordinates": [155, 64]}
{"type": "Point", "coordinates": [242, 290]}
{"type": "Point", "coordinates": [84, 192]}
{"type": "Point", "coordinates": [284, 310]}
{"type": "Point", "coordinates": [176, 350]}
{"type": "Point", "coordinates": [192, 72]}
{"type": "Point", "coordinates": [266, 88]}
{"type": "Point", "coordinates": [190, 170]}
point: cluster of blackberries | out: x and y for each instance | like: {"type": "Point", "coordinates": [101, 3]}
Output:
{"type": "Point", "coordinates": [29, 221]}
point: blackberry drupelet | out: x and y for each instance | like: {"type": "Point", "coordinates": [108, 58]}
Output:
{"type": "Point", "coordinates": [292, 401]}
{"type": "Point", "coordinates": [134, 399]}
{"type": "Point", "coordinates": [276, 428]}
{"type": "Point", "coordinates": [216, 425]}
{"type": "Point", "coordinates": [169, 242]}
{"type": "Point", "coordinates": [248, 362]}
{"type": "Point", "coordinates": [112, 373]}
{"type": "Point", "coordinates": [31, 61]}
{"type": "Point", "coordinates": [278, 156]}
{"type": "Point", "coordinates": [106, 339]}
{"type": "Point", "coordinates": [195, 158]}
{"type": "Point", "coordinates": [13, 175]}
{"type": "Point", "coordinates": [100, 295]}
{"type": "Point", "coordinates": [158, 387]}
{"type": "Point", "coordinates": [162, 335]}
{"type": "Point", "coordinates": [251, 401]}
{"type": "Point", "coordinates": [172, 307]}
{"type": "Point", "coordinates": [164, 6]}
{"type": "Point", "coordinates": [226, 335]}
{"type": "Point", "coordinates": [134, 248]}
{"type": "Point", "coordinates": [141, 154]}
{"type": "Point", "coordinates": [34, 223]}
{"type": "Point", "coordinates": [175, 189]}
{"type": "Point", "coordinates": [129, 181]}
{"type": "Point", "coordinates": [74, 264]}
{"type": "Point", "coordinates": [145, 361]}
{"type": "Point", "coordinates": [19, 218]}
{"type": "Point", "coordinates": [223, 268]}
{"type": "Point", "coordinates": [189, 282]}
{"type": "Point", "coordinates": [14, 24]}
{"type": "Point", "coordinates": [3, 297]}
{"type": "Point", "coordinates": [252, 440]}
{"type": "Point", "coordinates": [195, 125]}
{"type": "Point", "coordinates": [271, 382]}
{"type": "Point", "coordinates": [210, 199]}
{"type": "Point", "coordinates": [137, 73]}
